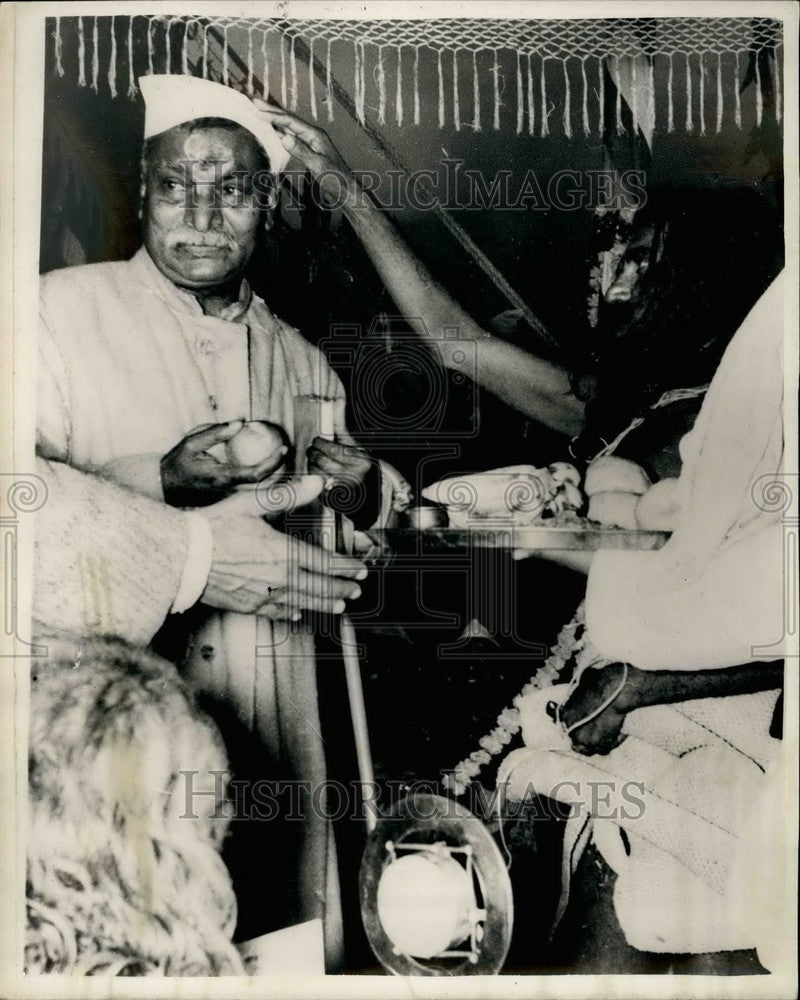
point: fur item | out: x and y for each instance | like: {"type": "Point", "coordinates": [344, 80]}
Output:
{"type": "Point", "coordinates": [121, 878]}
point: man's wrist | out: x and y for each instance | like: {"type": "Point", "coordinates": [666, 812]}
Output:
{"type": "Point", "coordinates": [634, 693]}
{"type": "Point", "coordinates": [196, 565]}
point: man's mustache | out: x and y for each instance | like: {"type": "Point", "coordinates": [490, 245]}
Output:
{"type": "Point", "coordinates": [193, 239]}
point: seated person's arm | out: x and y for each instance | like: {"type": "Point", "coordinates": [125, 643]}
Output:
{"type": "Point", "coordinates": [644, 688]}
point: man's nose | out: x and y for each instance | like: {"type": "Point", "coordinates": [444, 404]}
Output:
{"type": "Point", "coordinates": [623, 286]}
{"type": "Point", "coordinates": [204, 214]}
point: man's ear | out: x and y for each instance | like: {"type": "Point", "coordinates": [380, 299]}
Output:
{"type": "Point", "coordinates": [142, 196]}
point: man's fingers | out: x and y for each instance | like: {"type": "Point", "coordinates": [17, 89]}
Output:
{"type": "Point", "coordinates": [205, 439]}
{"type": "Point", "coordinates": [287, 496]}
{"type": "Point", "coordinates": [307, 586]}
{"type": "Point", "coordinates": [317, 560]}
{"type": "Point", "coordinates": [328, 466]}
{"type": "Point", "coordinates": [290, 123]}
{"type": "Point", "coordinates": [280, 612]}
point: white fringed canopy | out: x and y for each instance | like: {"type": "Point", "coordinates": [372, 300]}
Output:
{"type": "Point", "coordinates": [475, 87]}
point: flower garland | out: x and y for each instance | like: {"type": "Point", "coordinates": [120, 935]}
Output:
{"type": "Point", "coordinates": [571, 640]}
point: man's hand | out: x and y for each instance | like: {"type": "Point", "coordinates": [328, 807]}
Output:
{"type": "Point", "coordinates": [191, 477]}
{"type": "Point", "coordinates": [255, 568]}
{"type": "Point", "coordinates": [312, 147]}
{"type": "Point", "coordinates": [352, 479]}
{"type": "Point", "coordinates": [604, 732]}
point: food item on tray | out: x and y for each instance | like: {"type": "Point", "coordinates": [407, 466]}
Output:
{"type": "Point", "coordinates": [614, 509]}
{"type": "Point", "coordinates": [610, 474]}
{"type": "Point", "coordinates": [520, 493]}
{"type": "Point", "coordinates": [659, 508]}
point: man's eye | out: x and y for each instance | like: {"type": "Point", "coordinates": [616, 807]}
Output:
{"type": "Point", "coordinates": [168, 184]}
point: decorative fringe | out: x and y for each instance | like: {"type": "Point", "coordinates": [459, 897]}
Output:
{"type": "Point", "coordinates": [284, 92]}
{"type": "Point", "coordinates": [329, 89]}
{"type": "Point", "coordinates": [312, 92]}
{"type": "Point", "coordinates": [670, 110]}
{"type": "Point", "coordinates": [456, 104]}
{"type": "Point", "coordinates": [530, 96]}
{"type": "Point", "coordinates": [381, 74]}
{"type": "Point", "coordinates": [185, 47]}
{"type": "Point", "coordinates": [585, 96]}
{"type": "Point", "coordinates": [476, 95]}
{"type": "Point", "coordinates": [131, 75]}
{"type": "Point", "coordinates": [398, 94]}
{"type": "Point", "coordinates": [545, 128]}
{"type": "Point", "coordinates": [688, 94]}
{"type": "Point", "coordinates": [759, 95]}
{"type": "Point", "coordinates": [496, 73]}
{"type": "Point", "coordinates": [416, 86]}
{"type": "Point", "coordinates": [245, 75]}
{"type": "Point", "coordinates": [359, 81]}
{"type": "Point", "coordinates": [738, 105]}
{"type": "Point", "coordinates": [293, 70]}
{"type": "Point", "coordinates": [702, 96]}
{"type": "Point", "coordinates": [112, 60]}
{"type": "Point", "coordinates": [95, 55]}
{"type": "Point", "coordinates": [265, 71]}
{"type": "Point", "coordinates": [58, 53]}
{"type": "Point", "coordinates": [601, 97]}
{"type": "Point", "coordinates": [441, 88]}
{"type": "Point", "coordinates": [250, 88]}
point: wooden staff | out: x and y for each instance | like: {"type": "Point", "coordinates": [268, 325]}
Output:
{"type": "Point", "coordinates": [352, 666]}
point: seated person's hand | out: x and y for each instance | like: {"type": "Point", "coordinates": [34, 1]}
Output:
{"type": "Point", "coordinates": [602, 733]}
{"type": "Point", "coordinates": [191, 476]}
{"type": "Point", "coordinates": [352, 479]}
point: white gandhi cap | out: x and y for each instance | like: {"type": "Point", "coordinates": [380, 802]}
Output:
{"type": "Point", "coordinates": [172, 99]}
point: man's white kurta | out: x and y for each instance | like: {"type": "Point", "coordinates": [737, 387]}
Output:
{"type": "Point", "coordinates": [129, 365]}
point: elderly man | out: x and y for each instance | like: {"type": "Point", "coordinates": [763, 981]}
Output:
{"type": "Point", "coordinates": [147, 364]}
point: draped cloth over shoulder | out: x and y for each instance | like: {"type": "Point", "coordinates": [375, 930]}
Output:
{"type": "Point", "coordinates": [686, 782]}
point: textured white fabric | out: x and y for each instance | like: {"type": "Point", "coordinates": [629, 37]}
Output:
{"type": "Point", "coordinates": [172, 100]}
{"type": "Point", "coordinates": [682, 786]}
{"type": "Point", "coordinates": [107, 561]}
{"type": "Point", "coordinates": [715, 590]}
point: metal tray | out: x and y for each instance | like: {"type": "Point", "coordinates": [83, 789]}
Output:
{"type": "Point", "coordinates": [575, 537]}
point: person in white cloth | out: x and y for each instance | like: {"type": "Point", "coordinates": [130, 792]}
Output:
{"type": "Point", "coordinates": [670, 712]}
{"type": "Point", "coordinates": [137, 355]}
